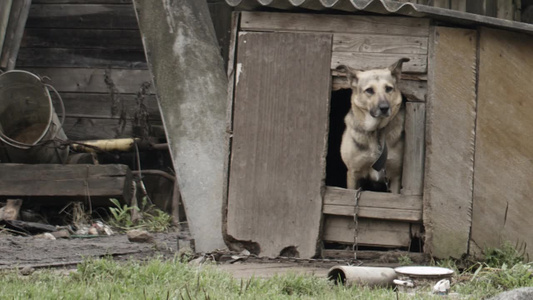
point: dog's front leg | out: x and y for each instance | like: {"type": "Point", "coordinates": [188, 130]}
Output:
{"type": "Point", "coordinates": [352, 179]}
{"type": "Point", "coordinates": [395, 184]}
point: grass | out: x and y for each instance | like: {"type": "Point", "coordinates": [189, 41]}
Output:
{"type": "Point", "coordinates": [151, 218]}
{"type": "Point", "coordinates": [176, 279]}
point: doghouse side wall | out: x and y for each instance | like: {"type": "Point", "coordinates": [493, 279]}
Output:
{"type": "Point", "coordinates": [451, 112]}
{"type": "Point", "coordinates": [503, 184]}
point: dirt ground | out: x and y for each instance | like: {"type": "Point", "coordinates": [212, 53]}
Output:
{"type": "Point", "coordinates": [18, 252]}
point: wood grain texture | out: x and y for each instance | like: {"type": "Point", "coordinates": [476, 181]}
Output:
{"type": "Point", "coordinates": [459, 5]}
{"type": "Point", "coordinates": [366, 61]}
{"type": "Point", "coordinates": [66, 180]}
{"type": "Point", "coordinates": [5, 9]}
{"type": "Point", "coordinates": [414, 154]}
{"type": "Point", "coordinates": [451, 112]}
{"type": "Point", "coordinates": [98, 16]}
{"type": "Point", "coordinates": [82, 38]}
{"type": "Point", "coordinates": [81, 58]}
{"type": "Point", "coordinates": [344, 42]}
{"type": "Point", "coordinates": [341, 229]}
{"type": "Point", "coordinates": [335, 23]}
{"type": "Point", "coordinates": [279, 141]}
{"type": "Point", "coordinates": [93, 80]}
{"type": "Point", "coordinates": [386, 206]}
{"type": "Point", "coordinates": [503, 174]}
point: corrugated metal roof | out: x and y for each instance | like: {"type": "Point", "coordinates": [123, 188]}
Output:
{"type": "Point", "coordinates": [385, 7]}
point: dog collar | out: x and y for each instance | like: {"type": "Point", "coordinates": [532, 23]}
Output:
{"type": "Point", "coordinates": [382, 159]}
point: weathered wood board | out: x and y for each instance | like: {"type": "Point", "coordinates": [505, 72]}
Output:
{"type": "Point", "coordinates": [451, 113]}
{"type": "Point", "coordinates": [414, 154]}
{"type": "Point", "coordinates": [279, 141]}
{"type": "Point", "coordinates": [387, 206]}
{"type": "Point", "coordinates": [66, 180]}
{"type": "Point", "coordinates": [503, 184]}
{"type": "Point", "coordinates": [335, 23]}
{"type": "Point", "coordinates": [380, 233]}
{"type": "Point", "coordinates": [111, 16]}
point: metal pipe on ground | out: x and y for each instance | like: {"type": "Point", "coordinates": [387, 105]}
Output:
{"type": "Point", "coordinates": [366, 276]}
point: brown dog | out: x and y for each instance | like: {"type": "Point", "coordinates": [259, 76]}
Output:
{"type": "Point", "coordinates": [372, 143]}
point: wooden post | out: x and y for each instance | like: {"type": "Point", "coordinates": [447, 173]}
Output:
{"type": "Point", "coordinates": [14, 31]}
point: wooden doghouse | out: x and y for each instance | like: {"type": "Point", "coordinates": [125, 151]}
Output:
{"type": "Point", "coordinates": [468, 154]}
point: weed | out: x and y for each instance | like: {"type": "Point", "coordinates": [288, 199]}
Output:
{"type": "Point", "coordinates": [405, 260]}
{"type": "Point", "coordinates": [508, 254]}
{"type": "Point", "coordinates": [151, 218]}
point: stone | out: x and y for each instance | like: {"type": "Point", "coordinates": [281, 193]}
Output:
{"type": "Point", "coordinates": [140, 236]}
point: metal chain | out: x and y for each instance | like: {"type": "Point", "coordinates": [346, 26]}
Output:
{"type": "Point", "coordinates": [355, 246]}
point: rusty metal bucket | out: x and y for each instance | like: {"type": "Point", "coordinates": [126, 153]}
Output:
{"type": "Point", "coordinates": [29, 126]}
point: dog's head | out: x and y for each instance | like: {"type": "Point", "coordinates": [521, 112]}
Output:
{"type": "Point", "coordinates": [376, 91]}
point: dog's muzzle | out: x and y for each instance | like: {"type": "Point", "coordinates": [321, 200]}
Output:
{"type": "Point", "coordinates": [381, 110]}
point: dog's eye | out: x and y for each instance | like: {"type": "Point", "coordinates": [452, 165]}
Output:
{"type": "Point", "coordinates": [388, 89]}
{"type": "Point", "coordinates": [369, 91]}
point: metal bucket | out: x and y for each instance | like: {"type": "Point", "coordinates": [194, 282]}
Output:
{"type": "Point", "coordinates": [29, 126]}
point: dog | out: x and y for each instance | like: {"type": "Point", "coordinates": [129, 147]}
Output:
{"type": "Point", "coordinates": [372, 143]}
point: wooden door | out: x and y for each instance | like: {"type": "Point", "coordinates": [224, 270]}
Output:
{"type": "Point", "coordinates": [280, 123]}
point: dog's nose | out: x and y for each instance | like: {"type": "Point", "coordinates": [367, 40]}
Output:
{"type": "Point", "coordinates": [384, 107]}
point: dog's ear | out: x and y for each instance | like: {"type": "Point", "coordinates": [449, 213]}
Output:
{"type": "Point", "coordinates": [396, 68]}
{"type": "Point", "coordinates": [350, 73]}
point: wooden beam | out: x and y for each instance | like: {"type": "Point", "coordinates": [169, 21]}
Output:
{"type": "Point", "coordinates": [83, 16]}
{"type": "Point", "coordinates": [49, 180]}
{"type": "Point", "coordinates": [380, 233]}
{"type": "Point", "coordinates": [361, 24]}
{"type": "Point", "coordinates": [365, 61]}
{"type": "Point", "coordinates": [386, 206]}
{"type": "Point", "coordinates": [78, 80]}
{"type": "Point", "coordinates": [414, 154]}
{"type": "Point", "coordinates": [14, 31]}
{"type": "Point", "coordinates": [450, 135]}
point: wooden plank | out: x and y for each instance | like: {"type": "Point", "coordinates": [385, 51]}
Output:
{"type": "Point", "coordinates": [60, 172]}
{"type": "Point", "coordinates": [441, 3]}
{"type": "Point", "coordinates": [340, 229]}
{"type": "Point", "coordinates": [407, 215]}
{"type": "Point", "coordinates": [506, 9]}
{"type": "Point", "coordinates": [459, 5]}
{"type": "Point", "coordinates": [93, 80]}
{"type": "Point", "coordinates": [365, 61]}
{"type": "Point", "coordinates": [14, 32]}
{"type": "Point", "coordinates": [66, 180]}
{"type": "Point", "coordinates": [450, 113]}
{"type": "Point", "coordinates": [403, 26]}
{"type": "Point", "coordinates": [82, 2]}
{"type": "Point", "coordinates": [340, 196]}
{"type": "Point", "coordinates": [386, 206]}
{"type": "Point", "coordinates": [344, 42]}
{"type": "Point", "coordinates": [84, 128]}
{"type": "Point", "coordinates": [99, 105]}
{"type": "Point", "coordinates": [414, 154]}
{"type": "Point", "coordinates": [81, 58]}
{"type": "Point", "coordinates": [503, 161]}
{"type": "Point", "coordinates": [82, 39]}
{"type": "Point", "coordinates": [98, 16]}
{"type": "Point", "coordinates": [482, 7]}
{"type": "Point", "coordinates": [231, 68]}
{"type": "Point", "coordinates": [269, 171]}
